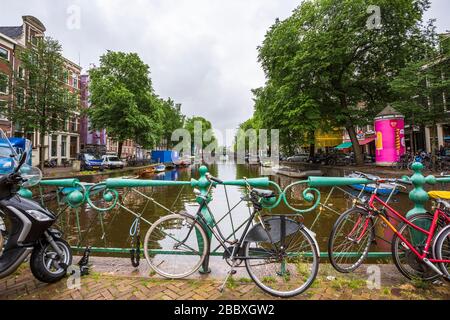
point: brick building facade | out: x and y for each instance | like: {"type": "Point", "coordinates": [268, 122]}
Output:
{"type": "Point", "coordinates": [60, 145]}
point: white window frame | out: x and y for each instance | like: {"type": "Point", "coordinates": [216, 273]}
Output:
{"type": "Point", "coordinates": [7, 53]}
{"type": "Point", "coordinates": [74, 77]}
{"type": "Point", "coordinates": [7, 84]}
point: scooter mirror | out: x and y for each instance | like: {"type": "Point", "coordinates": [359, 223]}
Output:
{"type": "Point", "coordinates": [23, 157]}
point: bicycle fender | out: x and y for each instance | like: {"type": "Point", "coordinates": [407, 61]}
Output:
{"type": "Point", "coordinates": [271, 231]}
{"type": "Point", "coordinates": [313, 236]}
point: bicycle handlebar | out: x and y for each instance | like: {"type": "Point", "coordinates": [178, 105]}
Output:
{"type": "Point", "coordinates": [214, 179]}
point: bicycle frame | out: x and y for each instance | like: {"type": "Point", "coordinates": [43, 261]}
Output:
{"type": "Point", "coordinates": [429, 233]}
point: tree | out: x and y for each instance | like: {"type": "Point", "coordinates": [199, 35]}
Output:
{"type": "Point", "coordinates": [420, 90]}
{"type": "Point", "coordinates": [41, 101]}
{"type": "Point", "coordinates": [197, 127]}
{"type": "Point", "coordinates": [123, 100]}
{"type": "Point", "coordinates": [173, 119]}
{"type": "Point", "coordinates": [326, 54]}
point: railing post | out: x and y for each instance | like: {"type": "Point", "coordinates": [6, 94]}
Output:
{"type": "Point", "coordinates": [203, 185]}
{"type": "Point", "coordinates": [418, 195]}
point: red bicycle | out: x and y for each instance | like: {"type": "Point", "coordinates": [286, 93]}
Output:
{"type": "Point", "coordinates": [420, 244]}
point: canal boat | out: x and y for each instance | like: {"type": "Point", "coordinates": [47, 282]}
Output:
{"type": "Point", "coordinates": [160, 168]}
{"type": "Point", "coordinates": [267, 164]}
{"type": "Point", "coordinates": [290, 172]}
{"type": "Point", "coordinates": [147, 173]}
{"type": "Point", "coordinates": [383, 189]}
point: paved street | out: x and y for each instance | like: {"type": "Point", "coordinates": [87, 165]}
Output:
{"type": "Point", "coordinates": [114, 279]}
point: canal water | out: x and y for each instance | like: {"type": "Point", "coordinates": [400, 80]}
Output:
{"type": "Point", "coordinates": [115, 232]}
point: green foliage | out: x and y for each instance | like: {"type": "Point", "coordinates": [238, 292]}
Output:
{"type": "Point", "coordinates": [123, 100]}
{"type": "Point", "coordinates": [41, 100]}
{"type": "Point", "coordinates": [199, 131]}
{"type": "Point", "coordinates": [325, 67]}
{"type": "Point", "coordinates": [173, 119]}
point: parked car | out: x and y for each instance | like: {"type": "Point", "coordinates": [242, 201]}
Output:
{"type": "Point", "coordinates": [298, 158]}
{"type": "Point", "coordinates": [88, 161]}
{"type": "Point", "coordinates": [112, 162]}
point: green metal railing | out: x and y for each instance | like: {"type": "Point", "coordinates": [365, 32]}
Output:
{"type": "Point", "coordinates": [74, 194]}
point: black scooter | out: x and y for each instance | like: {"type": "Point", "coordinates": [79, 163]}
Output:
{"type": "Point", "coordinates": [28, 231]}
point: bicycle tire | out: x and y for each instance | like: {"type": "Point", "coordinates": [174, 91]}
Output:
{"type": "Point", "coordinates": [158, 227]}
{"type": "Point", "coordinates": [335, 255]}
{"type": "Point", "coordinates": [443, 241]}
{"type": "Point", "coordinates": [418, 269]}
{"type": "Point", "coordinates": [311, 271]}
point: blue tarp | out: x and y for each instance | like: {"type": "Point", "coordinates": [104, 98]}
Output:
{"type": "Point", "coordinates": [164, 156]}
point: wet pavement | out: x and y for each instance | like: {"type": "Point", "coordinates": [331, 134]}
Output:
{"type": "Point", "coordinates": [116, 279]}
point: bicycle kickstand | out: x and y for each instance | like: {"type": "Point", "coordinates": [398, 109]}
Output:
{"type": "Point", "coordinates": [231, 272]}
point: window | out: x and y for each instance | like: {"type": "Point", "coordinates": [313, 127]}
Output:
{"type": "Point", "coordinates": [4, 80]}
{"type": "Point", "coordinates": [3, 105]}
{"type": "Point", "coordinates": [75, 80]}
{"type": "Point", "coordinates": [73, 125]}
{"type": "Point", "coordinates": [63, 145]}
{"type": "Point", "coordinates": [20, 98]}
{"type": "Point", "coordinates": [4, 53]}
{"type": "Point", "coordinates": [21, 73]}
{"type": "Point", "coordinates": [54, 145]}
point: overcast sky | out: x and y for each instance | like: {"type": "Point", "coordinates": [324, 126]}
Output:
{"type": "Point", "coordinates": [201, 53]}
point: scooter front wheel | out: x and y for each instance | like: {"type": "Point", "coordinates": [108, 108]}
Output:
{"type": "Point", "coordinates": [45, 263]}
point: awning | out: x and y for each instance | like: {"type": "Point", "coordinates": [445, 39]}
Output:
{"type": "Point", "coordinates": [348, 144]}
{"type": "Point", "coordinates": [366, 141]}
{"type": "Point", "coordinates": [344, 145]}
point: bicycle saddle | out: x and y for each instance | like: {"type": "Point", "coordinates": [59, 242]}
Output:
{"type": "Point", "coordinates": [440, 196]}
{"type": "Point", "coordinates": [263, 193]}
{"type": "Point", "coordinates": [437, 194]}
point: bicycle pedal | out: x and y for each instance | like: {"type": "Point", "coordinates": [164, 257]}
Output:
{"type": "Point", "coordinates": [233, 272]}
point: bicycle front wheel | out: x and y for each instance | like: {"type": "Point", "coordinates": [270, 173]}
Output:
{"type": "Point", "coordinates": [283, 272]}
{"type": "Point", "coordinates": [175, 246]}
{"type": "Point", "coordinates": [350, 240]}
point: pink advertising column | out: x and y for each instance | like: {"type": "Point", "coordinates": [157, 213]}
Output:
{"type": "Point", "coordinates": [390, 139]}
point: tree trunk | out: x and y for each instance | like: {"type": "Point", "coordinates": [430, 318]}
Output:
{"type": "Point", "coordinates": [359, 157]}
{"type": "Point", "coordinates": [119, 149]}
{"type": "Point", "coordinates": [41, 150]}
{"type": "Point", "coordinates": [312, 148]}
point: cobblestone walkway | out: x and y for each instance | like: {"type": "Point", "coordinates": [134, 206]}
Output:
{"type": "Point", "coordinates": [124, 285]}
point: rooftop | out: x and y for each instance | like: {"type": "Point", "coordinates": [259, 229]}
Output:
{"type": "Point", "coordinates": [12, 32]}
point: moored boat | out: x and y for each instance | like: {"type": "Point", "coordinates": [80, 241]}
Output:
{"type": "Point", "coordinates": [160, 168]}
{"type": "Point", "coordinates": [289, 172]}
{"type": "Point", "coordinates": [383, 188]}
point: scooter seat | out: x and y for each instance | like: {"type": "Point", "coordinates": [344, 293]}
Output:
{"type": "Point", "coordinates": [437, 194]}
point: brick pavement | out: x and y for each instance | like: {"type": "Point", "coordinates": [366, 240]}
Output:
{"type": "Point", "coordinates": [126, 284]}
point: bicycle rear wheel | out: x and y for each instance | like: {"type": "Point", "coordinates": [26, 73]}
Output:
{"type": "Point", "coordinates": [283, 271]}
{"type": "Point", "coordinates": [175, 246]}
{"type": "Point", "coordinates": [350, 240]}
{"type": "Point", "coordinates": [406, 260]}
